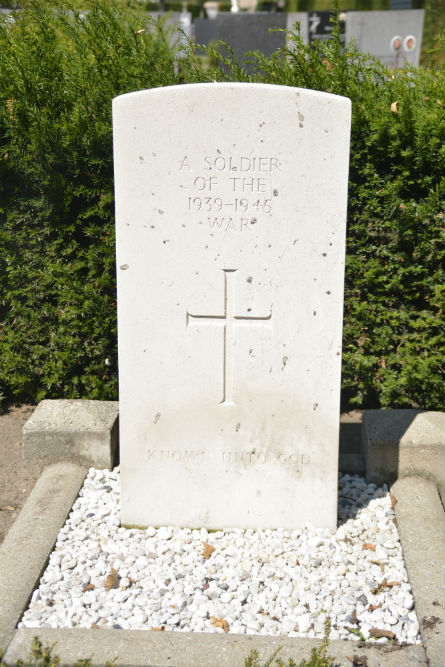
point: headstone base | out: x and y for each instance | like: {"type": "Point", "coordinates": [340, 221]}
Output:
{"type": "Point", "coordinates": [84, 432]}
{"type": "Point", "coordinates": [399, 443]}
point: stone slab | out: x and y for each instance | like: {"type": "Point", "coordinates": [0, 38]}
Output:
{"type": "Point", "coordinates": [251, 32]}
{"type": "Point", "coordinates": [230, 256]}
{"type": "Point", "coordinates": [138, 648]}
{"type": "Point", "coordinates": [321, 27]}
{"type": "Point", "coordinates": [420, 521]}
{"type": "Point", "coordinates": [170, 19]}
{"type": "Point", "coordinates": [244, 32]}
{"type": "Point", "coordinates": [84, 432]}
{"type": "Point", "coordinates": [298, 17]}
{"type": "Point", "coordinates": [376, 32]}
{"type": "Point", "coordinates": [205, 31]}
{"type": "Point", "coordinates": [397, 443]}
{"type": "Point", "coordinates": [26, 547]}
{"type": "Point", "coordinates": [173, 23]}
{"type": "Point", "coordinates": [353, 464]}
{"type": "Point", "coordinates": [351, 459]}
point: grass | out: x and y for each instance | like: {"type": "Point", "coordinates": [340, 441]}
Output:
{"type": "Point", "coordinates": [319, 656]}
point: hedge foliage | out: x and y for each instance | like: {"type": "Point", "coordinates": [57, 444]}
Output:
{"type": "Point", "coordinates": [59, 73]}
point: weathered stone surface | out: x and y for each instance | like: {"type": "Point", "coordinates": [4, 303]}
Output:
{"type": "Point", "coordinates": [376, 32]}
{"type": "Point", "coordinates": [84, 432]}
{"type": "Point", "coordinates": [230, 204]}
{"type": "Point", "coordinates": [398, 443]}
{"type": "Point", "coordinates": [194, 649]}
{"type": "Point", "coordinates": [256, 31]}
{"type": "Point", "coordinates": [25, 550]}
{"type": "Point", "coordinates": [420, 521]}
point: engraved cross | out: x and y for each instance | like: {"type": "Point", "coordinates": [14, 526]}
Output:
{"type": "Point", "coordinates": [228, 320]}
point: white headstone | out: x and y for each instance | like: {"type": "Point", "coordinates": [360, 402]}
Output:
{"type": "Point", "coordinates": [230, 213]}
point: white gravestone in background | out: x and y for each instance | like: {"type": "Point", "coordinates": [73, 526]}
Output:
{"type": "Point", "coordinates": [230, 213]}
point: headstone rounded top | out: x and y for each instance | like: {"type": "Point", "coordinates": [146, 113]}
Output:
{"type": "Point", "coordinates": [216, 87]}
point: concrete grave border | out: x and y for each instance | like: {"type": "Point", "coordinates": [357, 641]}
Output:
{"type": "Point", "coordinates": [27, 546]}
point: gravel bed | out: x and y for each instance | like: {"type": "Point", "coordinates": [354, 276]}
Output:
{"type": "Point", "coordinates": [267, 582]}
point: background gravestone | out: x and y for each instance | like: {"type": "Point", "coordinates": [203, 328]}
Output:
{"type": "Point", "coordinates": [205, 31]}
{"type": "Point", "coordinates": [176, 22]}
{"type": "Point", "coordinates": [251, 32]}
{"type": "Point", "coordinates": [320, 26]}
{"type": "Point", "coordinates": [230, 213]}
{"type": "Point", "coordinates": [243, 32]}
{"type": "Point", "coordinates": [302, 18]}
{"type": "Point", "coordinates": [394, 37]}
{"type": "Point", "coordinates": [378, 33]}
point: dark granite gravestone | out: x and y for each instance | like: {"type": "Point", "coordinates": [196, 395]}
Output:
{"type": "Point", "coordinates": [251, 32]}
{"type": "Point", "coordinates": [320, 26]}
{"type": "Point", "coordinates": [244, 32]}
{"type": "Point", "coordinates": [401, 4]}
{"type": "Point", "coordinates": [205, 31]}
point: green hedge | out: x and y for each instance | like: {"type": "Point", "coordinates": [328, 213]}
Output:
{"type": "Point", "coordinates": [59, 73]}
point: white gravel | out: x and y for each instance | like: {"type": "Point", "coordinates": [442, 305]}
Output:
{"type": "Point", "coordinates": [268, 582]}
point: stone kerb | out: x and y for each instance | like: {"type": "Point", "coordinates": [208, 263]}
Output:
{"type": "Point", "coordinates": [81, 431]}
{"type": "Point", "coordinates": [26, 548]}
{"type": "Point", "coordinates": [48, 506]}
{"type": "Point", "coordinates": [420, 521]}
